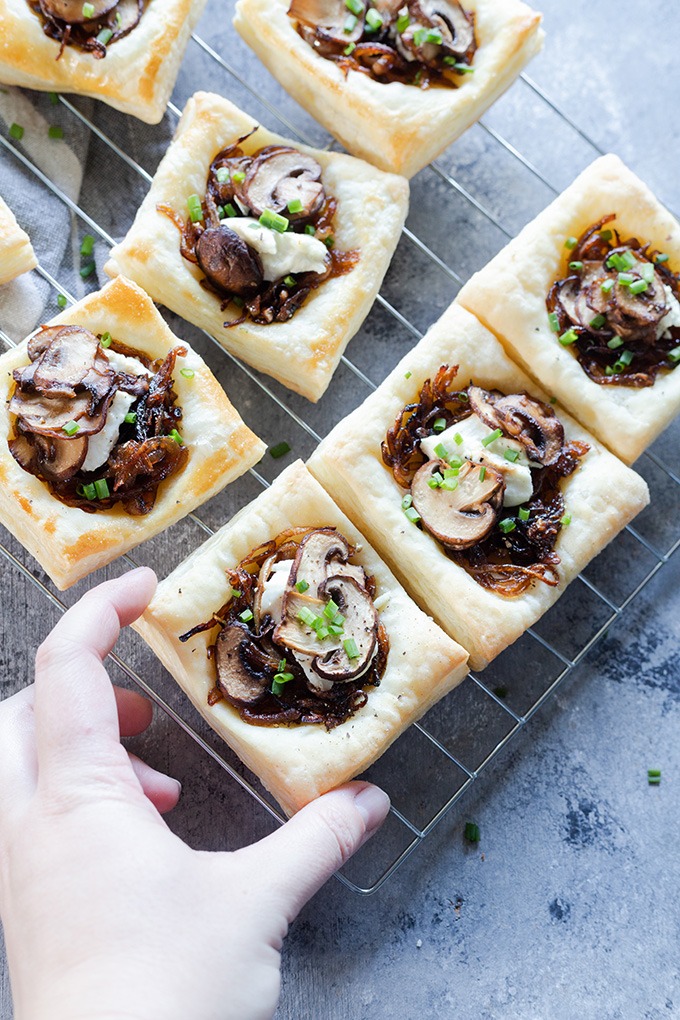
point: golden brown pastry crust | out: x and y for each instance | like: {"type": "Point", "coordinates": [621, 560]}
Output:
{"type": "Point", "coordinates": [297, 763]}
{"type": "Point", "coordinates": [69, 543]}
{"type": "Point", "coordinates": [394, 126]}
{"type": "Point", "coordinates": [16, 251]}
{"type": "Point", "coordinates": [303, 352]}
{"type": "Point", "coordinates": [509, 296]}
{"type": "Point", "coordinates": [601, 496]}
{"type": "Point", "coordinates": [136, 76]}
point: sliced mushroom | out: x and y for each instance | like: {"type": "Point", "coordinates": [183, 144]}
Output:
{"type": "Point", "coordinates": [635, 317]}
{"type": "Point", "coordinates": [228, 263]}
{"type": "Point", "coordinates": [461, 517]}
{"type": "Point", "coordinates": [239, 683]}
{"type": "Point", "coordinates": [360, 624]}
{"type": "Point", "coordinates": [279, 175]}
{"type": "Point", "coordinates": [315, 552]}
{"type": "Point", "coordinates": [61, 459]}
{"type": "Point", "coordinates": [531, 422]}
{"type": "Point", "coordinates": [297, 635]}
{"type": "Point", "coordinates": [446, 17]}
{"type": "Point", "coordinates": [41, 340]}
{"type": "Point", "coordinates": [66, 361]}
{"type": "Point", "coordinates": [71, 11]}
{"type": "Point", "coordinates": [127, 15]}
{"type": "Point", "coordinates": [330, 18]}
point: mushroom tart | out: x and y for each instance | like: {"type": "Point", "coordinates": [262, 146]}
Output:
{"type": "Point", "coordinates": [263, 234]}
{"type": "Point", "coordinates": [275, 249]}
{"type": "Point", "coordinates": [395, 81]}
{"type": "Point", "coordinates": [90, 26]}
{"type": "Point", "coordinates": [617, 308]}
{"type": "Point", "coordinates": [586, 298]}
{"type": "Point", "coordinates": [300, 638]}
{"type": "Point", "coordinates": [296, 643]}
{"type": "Point", "coordinates": [482, 473]}
{"type": "Point", "coordinates": [113, 430]}
{"type": "Point", "coordinates": [16, 251]}
{"type": "Point", "coordinates": [125, 52]}
{"type": "Point", "coordinates": [484, 496]}
{"type": "Point", "coordinates": [426, 43]}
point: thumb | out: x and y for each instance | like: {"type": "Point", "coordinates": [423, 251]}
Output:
{"type": "Point", "coordinates": [296, 860]}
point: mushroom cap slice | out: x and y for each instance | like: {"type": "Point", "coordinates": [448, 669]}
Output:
{"type": "Point", "coordinates": [66, 361]}
{"type": "Point", "coordinates": [228, 263]}
{"type": "Point", "coordinates": [329, 17]}
{"type": "Point", "coordinates": [521, 417]}
{"type": "Point", "coordinates": [71, 11]}
{"type": "Point", "coordinates": [313, 556]}
{"type": "Point", "coordinates": [239, 683]}
{"type": "Point", "coordinates": [444, 16]}
{"type": "Point", "coordinates": [280, 174]}
{"type": "Point", "coordinates": [361, 624]}
{"type": "Point", "coordinates": [461, 517]}
{"type": "Point", "coordinates": [130, 12]}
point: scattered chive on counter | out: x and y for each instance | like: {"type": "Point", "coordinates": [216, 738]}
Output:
{"type": "Point", "coordinates": [16, 132]}
{"type": "Point", "coordinates": [500, 692]}
{"type": "Point", "coordinates": [87, 245]}
{"type": "Point", "coordinates": [87, 270]}
{"type": "Point", "coordinates": [55, 131]}
{"type": "Point", "coordinates": [54, 98]}
{"type": "Point", "coordinates": [472, 832]}
{"type": "Point", "coordinates": [279, 450]}
{"type": "Point", "coordinates": [654, 777]}
{"type": "Point", "coordinates": [62, 300]}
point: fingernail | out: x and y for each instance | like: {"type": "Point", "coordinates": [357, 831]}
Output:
{"type": "Point", "coordinates": [372, 803]}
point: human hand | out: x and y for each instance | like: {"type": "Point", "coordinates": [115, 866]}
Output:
{"type": "Point", "coordinates": [107, 913]}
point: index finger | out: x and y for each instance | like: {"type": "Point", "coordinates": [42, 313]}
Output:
{"type": "Point", "coordinates": [75, 708]}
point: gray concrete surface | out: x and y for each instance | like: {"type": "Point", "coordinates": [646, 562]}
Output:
{"type": "Point", "coordinates": [568, 907]}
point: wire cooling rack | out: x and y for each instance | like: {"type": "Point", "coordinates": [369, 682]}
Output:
{"type": "Point", "coordinates": [458, 738]}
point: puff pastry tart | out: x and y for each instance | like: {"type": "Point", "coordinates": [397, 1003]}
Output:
{"type": "Point", "coordinates": [16, 251]}
{"type": "Point", "coordinates": [297, 644]}
{"type": "Point", "coordinates": [276, 250]}
{"type": "Point", "coordinates": [587, 297]}
{"type": "Point", "coordinates": [112, 429]}
{"type": "Point", "coordinates": [484, 498]}
{"type": "Point", "coordinates": [396, 81]}
{"type": "Point", "coordinates": [125, 52]}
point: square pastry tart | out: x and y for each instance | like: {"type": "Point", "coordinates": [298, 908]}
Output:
{"type": "Point", "coordinates": [586, 298]}
{"type": "Point", "coordinates": [277, 250]}
{"type": "Point", "coordinates": [16, 251]}
{"type": "Point", "coordinates": [125, 52]}
{"type": "Point", "coordinates": [296, 643]}
{"type": "Point", "coordinates": [484, 498]}
{"type": "Point", "coordinates": [112, 429]}
{"type": "Point", "coordinates": [396, 81]}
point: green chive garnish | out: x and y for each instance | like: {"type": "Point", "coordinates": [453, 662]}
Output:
{"type": "Point", "coordinates": [439, 424]}
{"type": "Point", "coordinates": [105, 340]}
{"type": "Point", "coordinates": [524, 513]}
{"type": "Point", "coordinates": [101, 487]}
{"type": "Point", "coordinates": [638, 287]}
{"type": "Point", "coordinates": [571, 242]}
{"type": "Point", "coordinates": [576, 265]}
{"type": "Point", "coordinates": [653, 777]}
{"type": "Point", "coordinates": [61, 300]}
{"type": "Point", "coordinates": [568, 338]}
{"type": "Point", "coordinates": [104, 36]}
{"type": "Point", "coordinates": [449, 484]}
{"type": "Point", "coordinates": [88, 11]}
{"type": "Point", "coordinates": [403, 21]}
{"type": "Point", "coordinates": [330, 609]}
{"type": "Point", "coordinates": [471, 832]}
{"type": "Point", "coordinates": [511, 455]}
{"type": "Point", "coordinates": [329, 241]}
{"type": "Point", "coordinates": [176, 436]}
{"type": "Point", "coordinates": [351, 650]}
{"type": "Point", "coordinates": [130, 418]}
{"type": "Point", "coordinates": [407, 375]}
{"type": "Point", "coordinates": [647, 272]}
{"type": "Point", "coordinates": [229, 210]}
{"type": "Point", "coordinates": [458, 67]}
{"type": "Point", "coordinates": [271, 219]}
{"type": "Point", "coordinates": [492, 437]}
{"type": "Point", "coordinates": [554, 322]}
{"type": "Point", "coordinates": [188, 373]}
{"type": "Point", "coordinates": [614, 343]}
{"type": "Point", "coordinates": [55, 131]}
{"type": "Point", "coordinates": [626, 357]}
{"type": "Point", "coordinates": [674, 355]}
{"type": "Point", "coordinates": [407, 501]}
{"type": "Point", "coordinates": [606, 235]}
{"type": "Point", "coordinates": [279, 450]}
{"type": "Point", "coordinates": [16, 131]}
{"type": "Point", "coordinates": [355, 6]}
{"type": "Point", "coordinates": [302, 586]}
{"type": "Point", "coordinates": [625, 279]}
{"type": "Point", "coordinates": [238, 176]}
{"type": "Point", "coordinates": [194, 207]}
{"type": "Point", "coordinates": [412, 515]}
{"type": "Point", "coordinates": [598, 322]}
{"type": "Point", "coordinates": [458, 439]}
{"type": "Point", "coordinates": [87, 245]}
{"type": "Point", "coordinates": [222, 174]}
{"type": "Point", "coordinates": [289, 281]}
{"type": "Point", "coordinates": [70, 428]}
{"type": "Point", "coordinates": [295, 205]}
{"type": "Point", "coordinates": [441, 451]}
{"type": "Point", "coordinates": [565, 520]}
{"type": "Point", "coordinates": [54, 98]}
{"type": "Point", "coordinates": [507, 525]}
{"type": "Point", "coordinates": [482, 473]}
{"type": "Point", "coordinates": [607, 286]}
{"type": "Point", "coordinates": [246, 616]}
{"type": "Point", "coordinates": [660, 259]}
{"type": "Point", "coordinates": [309, 229]}
{"type": "Point", "coordinates": [350, 24]}
{"type": "Point", "coordinates": [89, 491]}
{"type": "Point", "coordinates": [374, 20]}
{"type": "Point", "coordinates": [306, 616]}
{"type": "Point", "coordinates": [87, 270]}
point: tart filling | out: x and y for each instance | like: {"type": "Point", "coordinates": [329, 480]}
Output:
{"type": "Point", "coordinates": [618, 308]}
{"type": "Point", "coordinates": [418, 42]}
{"type": "Point", "coordinates": [90, 26]}
{"type": "Point", "coordinates": [482, 470]}
{"type": "Point", "coordinates": [300, 638]}
{"type": "Point", "coordinates": [96, 420]}
{"type": "Point", "coordinates": [263, 233]}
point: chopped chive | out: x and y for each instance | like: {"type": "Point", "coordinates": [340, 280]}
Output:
{"type": "Point", "coordinates": [571, 242]}
{"type": "Point", "coordinates": [625, 279]}
{"type": "Point", "coordinates": [607, 286]}
{"type": "Point", "coordinates": [87, 245]}
{"type": "Point", "coordinates": [295, 205]}
{"type": "Point", "coordinates": [87, 270]}
{"type": "Point", "coordinates": [55, 131]}
{"type": "Point", "coordinates": [614, 343]}
{"type": "Point", "coordinates": [104, 37]}
{"type": "Point", "coordinates": [289, 281]}
{"type": "Point", "coordinates": [451, 472]}
{"type": "Point", "coordinates": [302, 586]}
{"type": "Point", "coordinates": [674, 355]}
{"type": "Point", "coordinates": [647, 272]}
{"type": "Point", "coordinates": [565, 520]}
{"type": "Point", "coordinates": [101, 487]}
{"type": "Point", "coordinates": [412, 515]}
{"type": "Point", "coordinates": [492, 437]}
{"type": "Point", "coordinates": [407, 501]}
{"type": "Point", "coordinates": [306, 616]}
{"type": "Point", "coordinates": [568, 338]}
{"type": "Point", "coordinates": [16, 131]}
{"type": "Point", "coordinates": [230, 210]}
{"type": "Point", "coordinates": [355, 6]}
{"type": "Point", "coordinates": [176, 436]}
{"type": "Point", "coordinates": [403, 21]}
{"type": "Point", "coordinates": [222, 174]}
{"type": "Point", "coordinates": [329, 241]}
{"type": "Point", "coordinates": [330, 609]}
{"type": "Point", "coordinates": [54, 98]}
{"type": "Point", "coordinates": [188, 373]}
{"type": "Point", "coordinates": [638, 287]}
{"type": "Point", "coordinates": [659, 259]}
{"type": "Point", "coordinates": [105, 340]}
{"type": "Point", "coordinates": [351, 650]}
{"type": "Point", "coordinates": [374, 20]}
{"type": "Point", "coordinates": [246, 616]}
{"type": "Point", "coordinates": [524, 513]}
{"type": "Point", "coordinates": [500, 692]}
{"type": "Point", "coordinates": [194, 207]}
{"type": "Point", "coordinates": [609, 370]}
{"type": "Point", "coordinates": [61, 300]}
{"type": "Point", "coordinates": [119, 19]}
{"type": "Point", "coordinates": [350, 24]}
{"type": "Point", "coordinates": [458, 439]}
{"type": "Point", "coordinates": [70, 428]}
{"type": "Point", "coordinates": [309, 229]}
{"type": "Point", "coordinates": [336, 629]}
{"type": "Point", "coordinates": [449, 484]}
{"type": "Point", "coordinates": [439, 424]}
{"type": "Point", "coordinates": [606, 235]}
{"type": "Point", "coordinates": [130, 418]}
{"type": "Point", "coordinates": [407, 375]}
{"type": "Point", "coordinates": [598, 322]}
{"type": "Point", "coordinates": [238, 301]}
{"type": "Point", "coordinates": [507, 525]}
{"type": "Point", "coordinates": [511, 455]}
{"type": "Point", "coordinates": [279, 450]}
{"type": "Point", "coordinates": [274, 221]}
{"type": "Point", "coordinates": [89, 491]}
{"type": "Point", "coordinates": [554, 321]}
{"type": "Point", "coordinates": [576, 265]}
{"type": "Point", "coordinates": [616, 369]}
{"type": "Point", "coordinates": [471, 832]}
{"type": "Point", "coordinates": [623, 263]}
{"type": "Point", "coordinates": [553, 400]}
{"type": "Point", "coordinates": [482, 473]}
{"type": "Point", "coordinates": [88, 11]}
{"type": "Point", "coordinates": [654, 777]}
{"type": "Point", "coordinates": [457, 66]}
{"type": "Point", "coordinates": [435, 482]}
{"type": "Point", "coordinates": [238, 176]}
{"type": "Point", "coordinates": [626, 357]}
{"type": "Point", "coordinates": [426, 35]}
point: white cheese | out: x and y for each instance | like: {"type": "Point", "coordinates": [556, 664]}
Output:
{"type": "Point", "coordinates": [101, 443]}
{"type": "Point", "coordinates": [130, 366]}
{"type": "Point", "coordinates": [672, 316]}
{"type": "Point", "coordinates": [281, 254]}
{"type": "Point", "coordinates": [472, 430]}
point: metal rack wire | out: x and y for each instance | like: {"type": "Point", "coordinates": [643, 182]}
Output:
{"type": "Point", "coordinates": [464, 760]}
